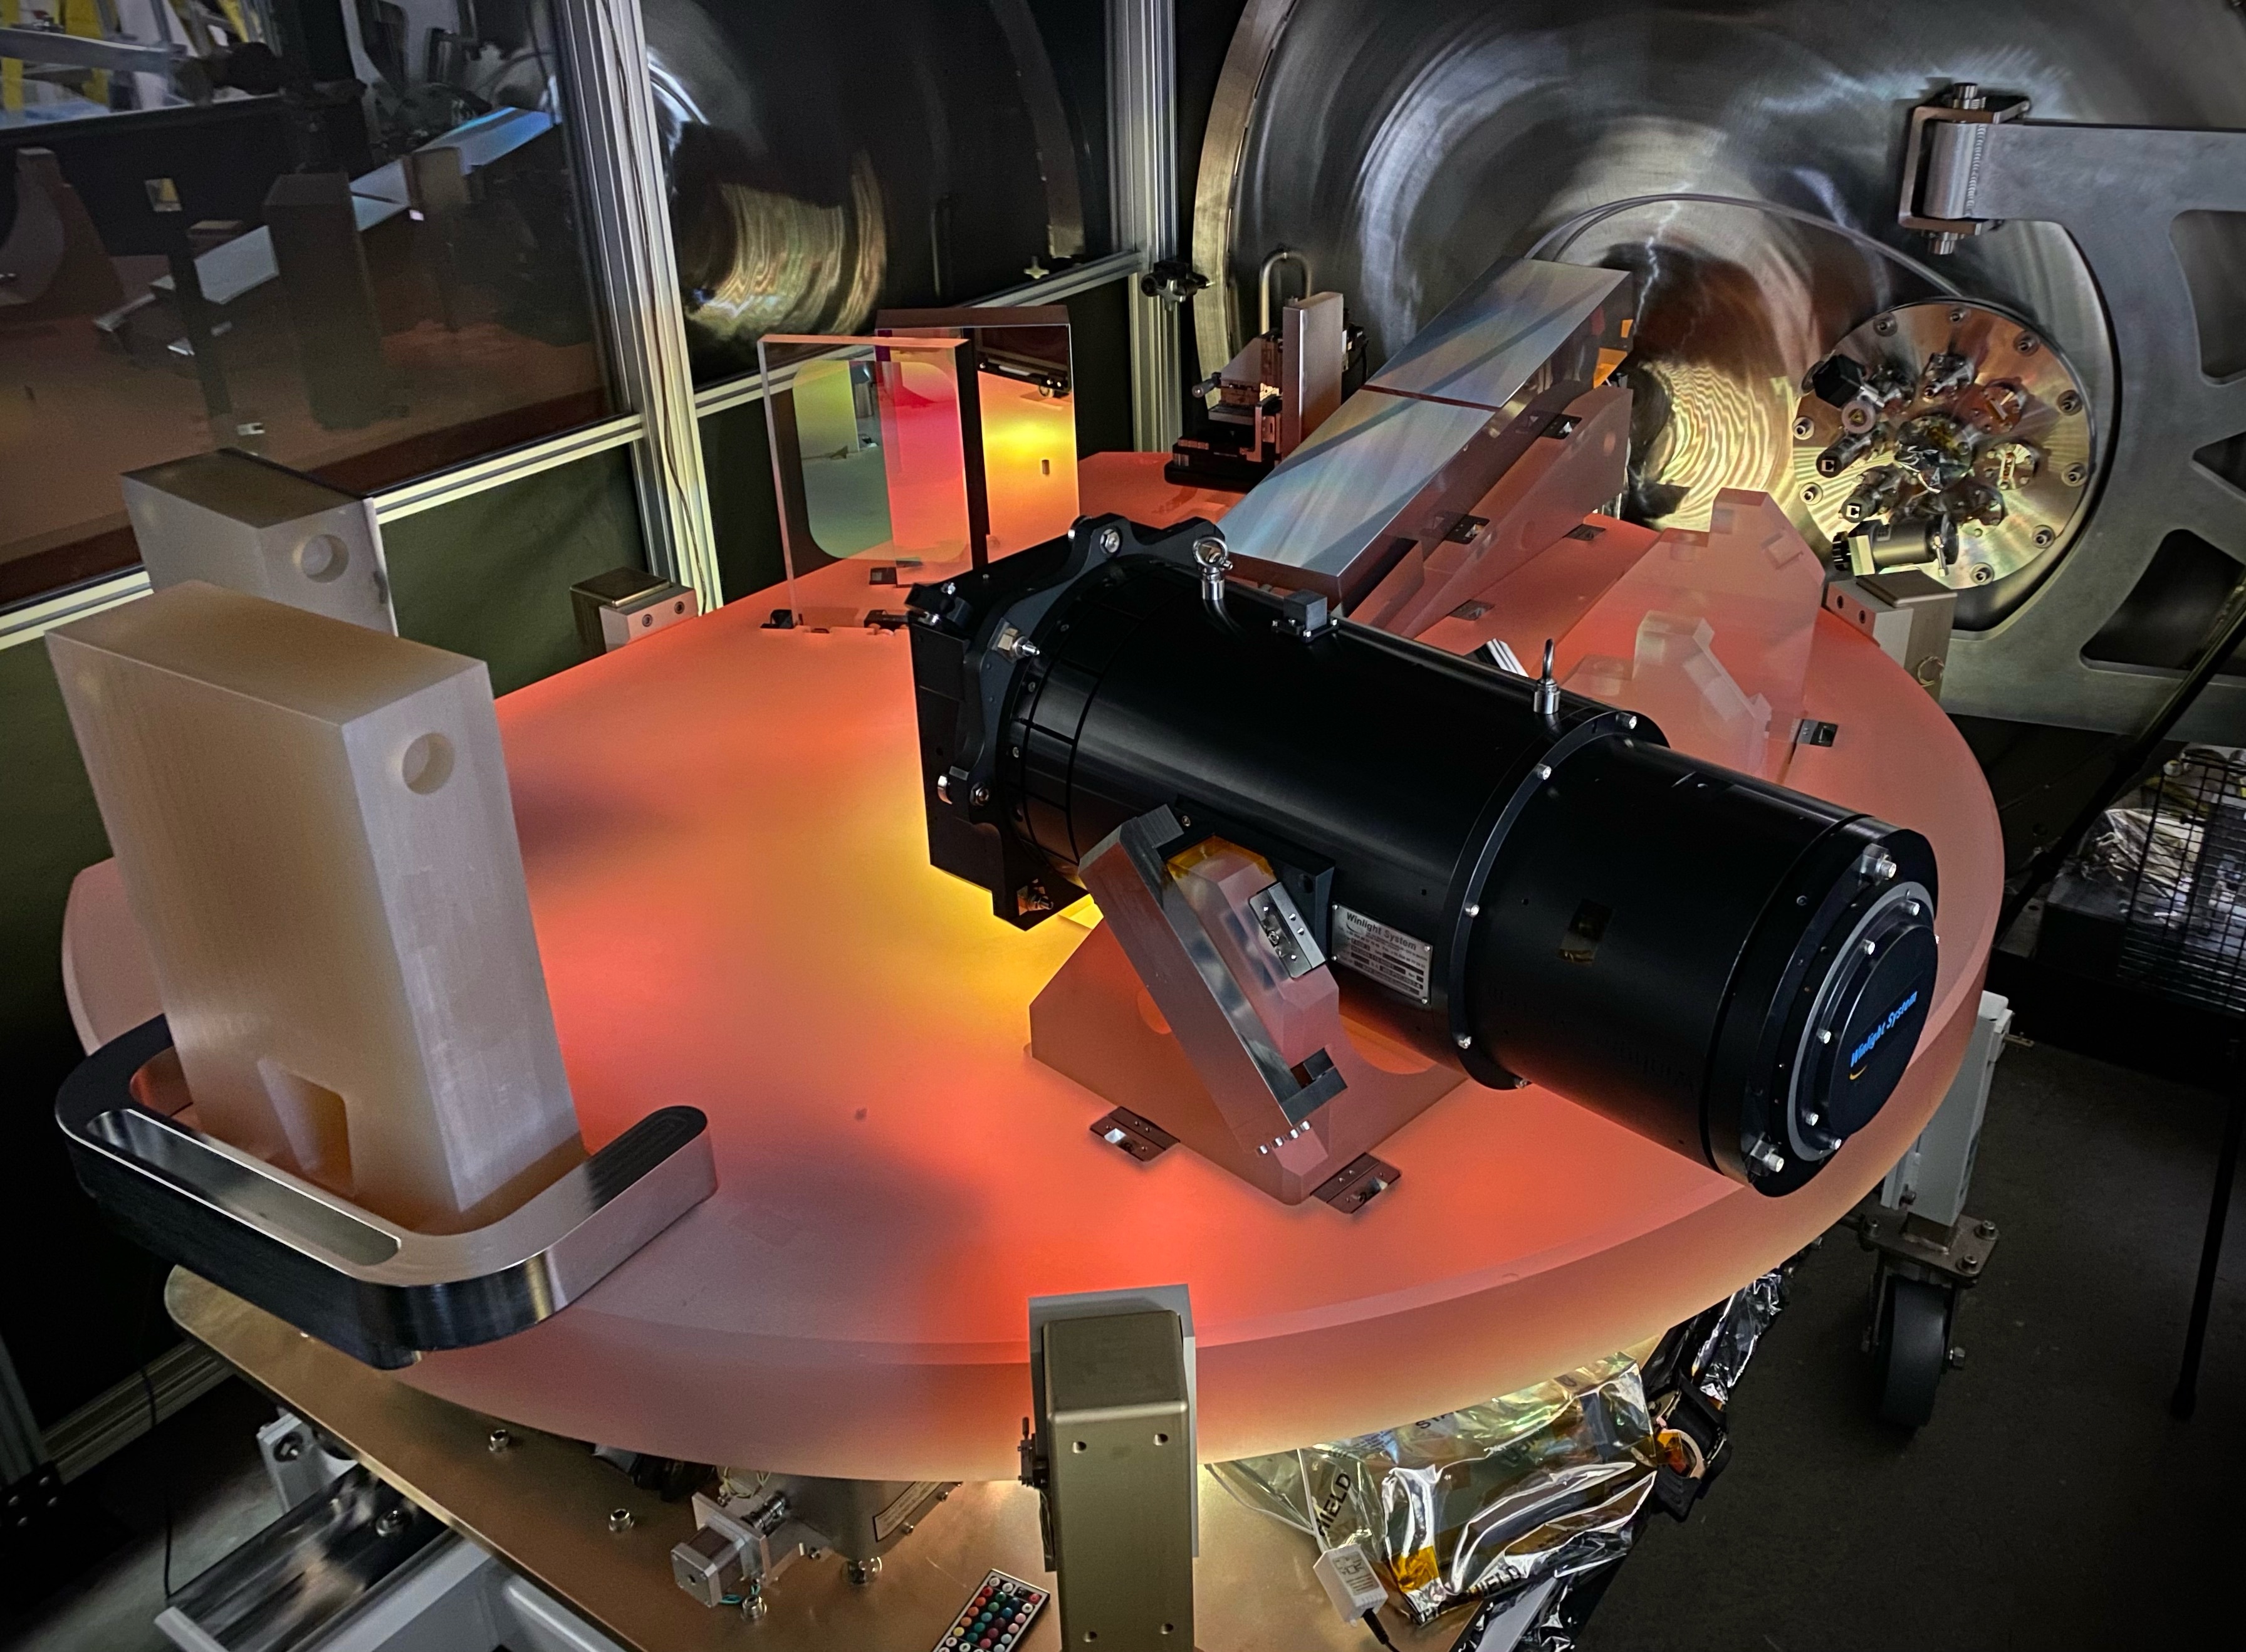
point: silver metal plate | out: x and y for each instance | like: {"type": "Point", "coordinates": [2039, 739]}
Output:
{"type": "Point", "coordinates": [379, 1292]}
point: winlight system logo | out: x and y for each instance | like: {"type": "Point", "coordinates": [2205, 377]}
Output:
{"type": "Point", "coordinates": [1872, 1038]}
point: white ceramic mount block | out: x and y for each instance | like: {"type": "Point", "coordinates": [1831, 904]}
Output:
{"type": "Point", "coordinates": [313, 823]}
{"type": "Point", "coordinates": [253, 526]}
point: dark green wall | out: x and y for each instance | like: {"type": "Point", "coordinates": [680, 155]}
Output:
{"type": "Point", "coordinates": [744, 511]}
{"type": "Point", "coordinates": [74, 1299]}
{"type": "Point", "coordinates": [488, 576]}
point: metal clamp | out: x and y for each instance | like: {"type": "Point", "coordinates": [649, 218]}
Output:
{"type": "Point", "coordinates": [1951, 163]}
{"type": "Point", "coordinates": [1218, 1026]}
{"type": "Point", "coordinates": [380, 1293]}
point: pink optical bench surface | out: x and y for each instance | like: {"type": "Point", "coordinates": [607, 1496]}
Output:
{"type": "Point", "coordinates": [727, 862]}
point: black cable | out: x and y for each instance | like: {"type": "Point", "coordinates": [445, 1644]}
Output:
{"type": "Point", "coordinates": [1373, 1622]}
{"type": "Point", "coordinates": [148, 1387]}
{"type": "Point", "coordinates": [163, 1482]}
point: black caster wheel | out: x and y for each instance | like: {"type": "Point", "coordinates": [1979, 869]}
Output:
{"type": "Point", "coordinates": [1912, 1350]}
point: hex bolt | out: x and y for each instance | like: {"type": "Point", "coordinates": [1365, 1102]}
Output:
{"type": "Point", "coordinates": [979, 796]}
{"type": "Point", "coordinates": [1465, 1041]}
{"type": "Point", "coordinates": [1110, 541]}
{"type": "Point", "coordinates": [2027, 343]}
{"type": "Point", "coordinates": [621, 1520]}
{"type": "Point", "coordinates": [288, 1448]}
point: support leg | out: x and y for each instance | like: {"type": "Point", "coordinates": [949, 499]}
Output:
{"type": "Point", "coordinates": [2186, 1398]}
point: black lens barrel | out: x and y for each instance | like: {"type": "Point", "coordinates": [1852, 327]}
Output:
{"type": "Point", "coordinates": [1735, 970]}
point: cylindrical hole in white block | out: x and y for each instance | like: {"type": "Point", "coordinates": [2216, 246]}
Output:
{"type": "Point", "coordinates": [427, 763]}
{"type": "Point", "coordinates": [322, 557]}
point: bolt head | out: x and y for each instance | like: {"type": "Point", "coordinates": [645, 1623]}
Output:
{"type": "Point", "coordinates": [1970, 1264]}
{"type": "Point", "coordinates": [1811, 493]}
{"type": "Point", "coordinates": [1804, 429]}
{"type": "Point", "coordinates": [499, 1439]}
{"type": "Point", "coordinates": [2076, 475]}
{"type": "Point", "coordinates": [2045, 538]}
{"type": "Point", "coordinates": [1987, 1230]}
{"type": "Point", "coordinates": [1465, 1040]}
{"type": "Point", "coordinates": [980, 795]}
{"type": "Point", "coordinates": [1957, 317]}
{"type": "Point", "coordinates": [389, 1522]}
{"type": "Point", "coordinates": [1982, 571]}
{"type": "Point", "coordinates": [1884, 326]}
{"type": "Point", "coordinates": [1109, 542]}
{"type": "Point", "coordinates": [1956, 1359]}
{"type": "Point", "coordinates": [288, 1448]}
{"type": "Point", "coordinates": [2070, 402]}
{"type": "Point", "coordinates": [1543, 770]}
{"type": "Point", "coordinates": [2027, 343]}
{"type": "Point", "coordinates": [621, 1520]}
{"type": "Point", "coordinates": [1630, 719]}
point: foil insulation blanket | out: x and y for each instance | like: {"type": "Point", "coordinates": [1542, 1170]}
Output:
{"type": "Point", "coordinates": [1722, 1356]}
{"type": "Point", "coordinates": [1545, 1485]}
{"type": "Point", "coordinates": [1537, 1484]}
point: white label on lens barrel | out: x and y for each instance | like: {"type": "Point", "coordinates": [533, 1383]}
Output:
{"type": "Point", "coordinates": [1390, 956]}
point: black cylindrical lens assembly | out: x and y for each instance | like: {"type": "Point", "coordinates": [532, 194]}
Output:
{"type": "Point", "coordinates": [1531, 891]}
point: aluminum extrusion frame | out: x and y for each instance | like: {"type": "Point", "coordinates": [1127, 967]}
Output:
{"type": "Point", "coordinates": [619, 158]}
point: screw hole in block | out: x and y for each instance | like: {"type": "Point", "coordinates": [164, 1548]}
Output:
{"type": "Point", "coordinates": [322, 558]}
{"type": "Point", "coordinates": [427, 763]}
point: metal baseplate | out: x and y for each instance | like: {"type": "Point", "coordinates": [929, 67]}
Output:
{"type": "Point", "coordinates": [1358, 1184]}
{"type": "Point", "coordinates": [1957, 1252]}
{"type": "Point", "coordinates": [1140, 1137]}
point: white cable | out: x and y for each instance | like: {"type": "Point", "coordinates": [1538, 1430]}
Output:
{"type": "Point", "coordinates": [1557, 239]}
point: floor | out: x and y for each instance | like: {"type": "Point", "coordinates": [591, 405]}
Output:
{"type": "Point", "coordinates": [2051, 1504]}
{"type": "Point", "coordinates": [205, 1459]}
